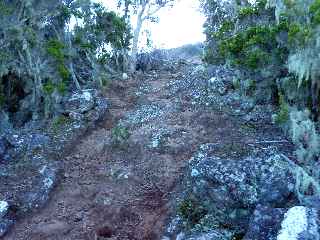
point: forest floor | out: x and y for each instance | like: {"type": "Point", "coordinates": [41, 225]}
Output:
{"type": "Point", "coordinates": [121, 179]}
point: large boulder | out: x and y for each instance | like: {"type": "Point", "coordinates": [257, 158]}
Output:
{"type": "Point", "coordinates": [295, 223]}
{"type": "Point", "coordinates": [81, 102]}
{"type": "Point", "coordinates": [230, 189]}
{"type": "Point", "coordinates": [239, 193]}
{"type": "Point", "coordinates": [42, 186]}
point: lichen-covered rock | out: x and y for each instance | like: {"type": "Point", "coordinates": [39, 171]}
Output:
{"type": "Point", "coordinates": [4, 206]}
{"type": "Point", "coordinates": [229, 190]}
{"type": "Point", "coordinates": [211, 235]}
{"type": "Point", "coordinates": [295, 223]}
{"type": "Point", "coordinates": [234, 184]}
{"type": "Point", "coordinates": [5, 225]}
{"type": "Point", "coordinates": [216, 84]}
{"type": "Point", "coordinates": [81, 102]}
{"type": "Point", "coordinates": [42, 187]}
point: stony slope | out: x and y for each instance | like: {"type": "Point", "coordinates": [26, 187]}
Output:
{"type": "Point", "coordinates": [126, 178]}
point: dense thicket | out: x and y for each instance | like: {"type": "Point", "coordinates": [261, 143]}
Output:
{"type": "Point", "coordinates": [50, 47]}
{"type": "Point", "coordinates": [275, 46]}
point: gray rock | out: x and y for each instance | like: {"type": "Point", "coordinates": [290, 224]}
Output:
{"type": "Point", "coordinates": [217, 85]}
{"type": "Point", "coordinates": [41, 188]}
{"type": "Point", "coordinates": [5, 225]}
{"type": "Point", "coordinates": [230, 189]}
{"type": "Point", "coordinates": [4, 207]}
{"type": "Point", "coordinates": [4, 148]}
{"type": "Point", "coordinates": [81, 102]}
{"type": "Point", "coordinates": [265, 223]}
{"type": "Point", "coordinates": [212, 235]}
{"type": "Point", "coordinates": [35, 141]}
{"type": "Point", "coordinates": [295, 223]}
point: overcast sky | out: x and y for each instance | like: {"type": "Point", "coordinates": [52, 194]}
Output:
{"type": "Point", "coordinates": [179, 25]}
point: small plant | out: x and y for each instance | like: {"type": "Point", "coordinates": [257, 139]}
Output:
{"type": "Point", "coordinates": [48, 87]}
{"type": "Point", "coordinates": [120, 134]}
{"type": "Point", "coordinates": [60, 121]}
{"type": "Point", "coordinates": [191, 211]}
{"type": "Point", "coordinates": [63, 72]}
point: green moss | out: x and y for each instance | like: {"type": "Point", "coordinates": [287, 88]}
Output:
{"type": "Point", "coordinates": [191, 211]}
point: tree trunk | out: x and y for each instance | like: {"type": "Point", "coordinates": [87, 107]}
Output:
{"type": "Point", "coordinates": [136, 36]}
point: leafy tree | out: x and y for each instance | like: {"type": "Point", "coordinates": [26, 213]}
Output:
{"type": "Point", "coordinates": [145, 10]}
{"type": "Point", "coordinates": [42, 57]}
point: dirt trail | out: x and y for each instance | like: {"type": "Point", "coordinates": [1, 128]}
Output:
{"type": "Point", "coordinates": [125, 190]}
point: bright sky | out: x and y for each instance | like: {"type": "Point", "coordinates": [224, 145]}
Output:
{"type": "Point", "coordinates": [178, 26]}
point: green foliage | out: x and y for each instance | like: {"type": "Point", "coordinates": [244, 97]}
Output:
{"type": "Point", "coordinates": [314, 7]}
{"type": "Point", "coordinates": [226, 27]}
{"type": "Point", "coordinates": [191, 211]}
{"type": "Point", "coordinates": [59, 122]}
{"type": "Point", "coordinates": [282, 116]}
{"type": "Point", "coordinates": [294, 29]}
{"type": "Point", "coordinates": [289, 3]}
{"type": "Point", "coordinates": [55, 50]}
{"type": "Point", "coordinates": [255, 58]}
{"type": "Point", "coordinates": [250, 48]}
{"type": "Point", "coordinates": [62, 87]}
{"type": "Point", "coordinates": [5, 9]}
{"type": "Point", "coordinates": [248, 11]}
{"type": "Point", "coordinates": [48, 87]}
{"type": "Point", "coordinates": [63, 72]}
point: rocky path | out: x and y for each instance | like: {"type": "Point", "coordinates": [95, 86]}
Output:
{"type": "Point", "coordinates": [121, 180]}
